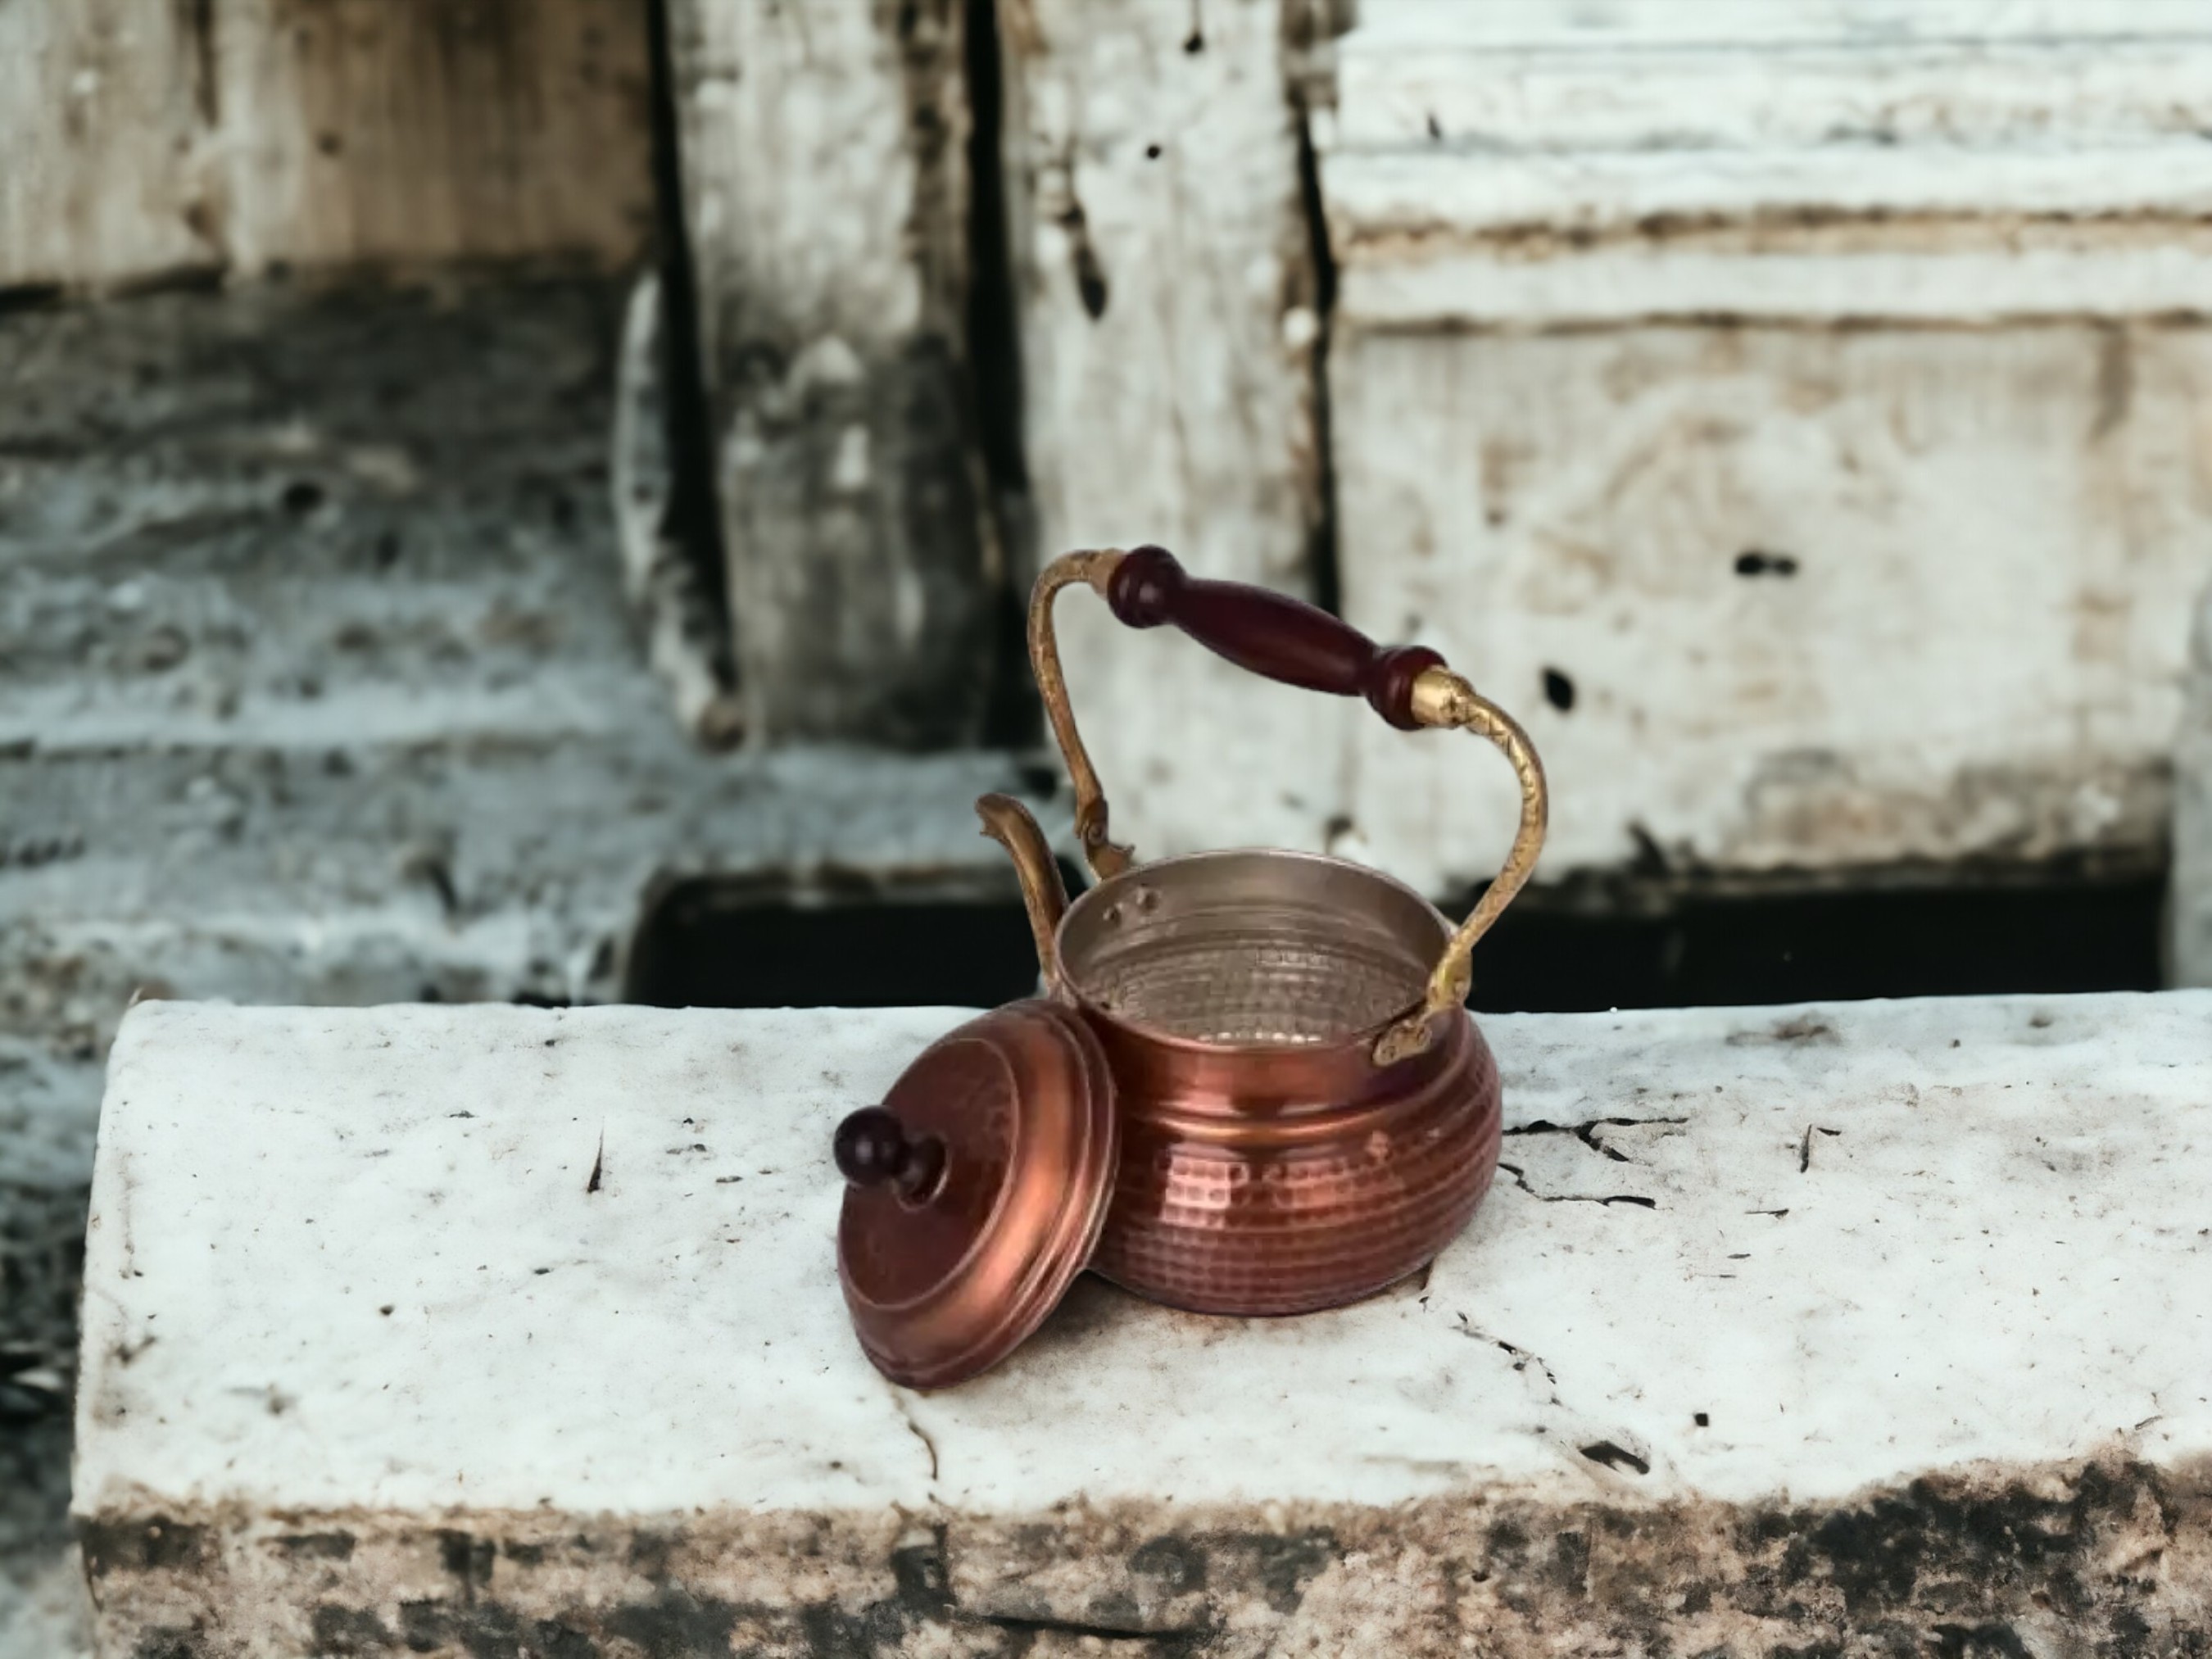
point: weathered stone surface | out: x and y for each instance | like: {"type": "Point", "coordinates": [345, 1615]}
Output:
{"type": "Point", "coordinates": [2109, 1557]}
{"type": "Point", "coordinates": [1846, 1330]}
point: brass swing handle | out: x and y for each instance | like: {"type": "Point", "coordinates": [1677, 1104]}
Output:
{"type": "Point", "coordinates": [1286, 639]}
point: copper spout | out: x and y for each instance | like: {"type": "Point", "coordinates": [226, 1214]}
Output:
{"type": "Point", "coordinates": [1009, 822]}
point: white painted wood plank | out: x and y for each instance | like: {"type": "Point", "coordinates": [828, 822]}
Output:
{"type": "Point", "coordinates": [1743, 93]}
{"type": "Point", "coordinates": [1995, 540]}
{"type": "Point", "coordinates": [103, 109]}
{"type": "Point", "coordinates": [1662, 193]}
{"type": "Point", "coordinates": [1960, 274]}
{"type": "Point", "coordinates": [825, 175]}
{"type": "Point", "coordinates": [414, 132]}
{"type": "Point", "coordinates": [687, 634]}
{"type": "Point", "coordinates": [1910, 297]}
{"type": "Point", "coordinates": [1169, 330]}
{"type": "Point", "coordinates": [1584, 25]}
{"type": "Point", "coordinates": [1476, 176]}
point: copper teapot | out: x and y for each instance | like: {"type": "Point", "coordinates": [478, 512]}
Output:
{"type": "Point", "coordinates": [1251, 1087]}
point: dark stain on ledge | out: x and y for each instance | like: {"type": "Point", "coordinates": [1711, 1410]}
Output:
{"type": "Point", "coordinates": [675, 1622]}
{"type": "Point", "coordinates": [156, 1544]}
{"type": "Point", "coordinates": [343, 1631]}
{"type": "Point", "coordinates": [1958, 1641]}
{"type": "Point", "coordinates": [1105, 1628]}
{"type": "Point", "coordinates": [2114, 1555]}
{"type": "Point", "coordinates": [1611, 1456]}
{"type": "Point", "coordinates": [1802, 1028]}
{"type": "Point", "coordinates": [170, 1642]}
{"type": "Point", "coordinates": [1284, 1564]}
{"type": "Point", "coordinates": [1176, 1564]}
{"type": "Point", "coordinates": [315, 1545]}
{"type": "Point", "coordinates": [1881, 1552]}
{"type": "Point", "coordinates": [468, 1557]}
{"type": "Point", "coordinates": [648, 1555]}
{"type": "Point", "coordinates": [488, 1630]}
{"type": "Point", "coordinates": [922, 1597]}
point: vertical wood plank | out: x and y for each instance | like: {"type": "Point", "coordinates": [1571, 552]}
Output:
{"type": "Point", "coordinates": [103, 119]}
{"type": "Point", "coordinates": [825, 175]}
{"type": "Point", "coordinates": [146, 138]}
{"type": "Point", "coordinates": [405, 131]}
{"type": "Point", "coordinates": [1169, 327]}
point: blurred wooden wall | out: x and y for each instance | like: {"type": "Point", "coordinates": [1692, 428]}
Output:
{"type": "Point", "coordinates": [1795, 412]}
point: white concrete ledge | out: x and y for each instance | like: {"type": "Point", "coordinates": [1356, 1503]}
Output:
{"type": "Point", "coordinates": [1785, 1326]}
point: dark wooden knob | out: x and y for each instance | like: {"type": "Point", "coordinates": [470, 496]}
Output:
{"type": "Point", "coordinates": [1269, 633]}
{"type": "Point", "coordinates": [872, 1148]}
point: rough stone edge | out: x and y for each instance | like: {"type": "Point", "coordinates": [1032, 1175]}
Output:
{"type": "Point", "coordinates": [2110, 1554]}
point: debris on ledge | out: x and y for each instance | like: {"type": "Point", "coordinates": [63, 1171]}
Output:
{"type": "Point", "coordinates": [485, 1330]}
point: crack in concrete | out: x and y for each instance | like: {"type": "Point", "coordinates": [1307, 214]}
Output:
{"type": "Point", "coordinates": [917, 1431]}
{"type": "Point", "coordinates": [1587, 1131]}
{"type": "Point", "coordinates": [1608, 1447]}
{"type": "Point", "coordinates": [1521, 1357]}
{"type": "Point", "coordinates": [1520, 1180]}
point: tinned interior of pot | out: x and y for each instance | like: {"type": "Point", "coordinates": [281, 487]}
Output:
{"type": "Point", "coordinates": [1243, 948]}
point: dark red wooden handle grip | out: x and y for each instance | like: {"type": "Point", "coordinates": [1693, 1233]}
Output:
{"type": "Point", "coordinates": [1269, 633]}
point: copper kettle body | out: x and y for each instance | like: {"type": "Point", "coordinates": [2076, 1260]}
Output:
{"type": "Point", "coordinates": [1307, 1112]}
{"type": "Point", "coordinates": [1272, 1176]}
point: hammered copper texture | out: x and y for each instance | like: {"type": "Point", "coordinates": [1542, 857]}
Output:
{"type": "Point", "coordinates": [1286, 984]}
{"type": "Point", "coordinates": [1219, 1208]}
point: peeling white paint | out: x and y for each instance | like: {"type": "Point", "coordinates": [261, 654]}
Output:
{"type": "Point", "coordinates": [848, 470]}
{"type": "Point", "coordinates": [1165, 197]}
{"type": "Point", "coordinates": [1834, 453]}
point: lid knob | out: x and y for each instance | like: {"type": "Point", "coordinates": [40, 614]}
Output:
{"type": "Point", "coordinates": [872, 1148]}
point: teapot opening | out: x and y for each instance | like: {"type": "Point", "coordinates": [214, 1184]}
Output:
{"type": "Point", "coordinates": [1251, 948]}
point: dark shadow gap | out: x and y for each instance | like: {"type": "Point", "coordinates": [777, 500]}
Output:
{"type": "Point", "coordinates": [1322, 558]}
{"type": "Point", "coordinates": [693, 514]}
{"type": "Point", "coordinates": [731, 945]}
{"type": "Point", "coordinates": [1013, 717]}
{"type": "Point", "coordinates": [2077, 933]}
{"type": "Point", "coordinates": [29, 296]}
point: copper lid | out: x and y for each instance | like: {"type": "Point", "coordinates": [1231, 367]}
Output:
{"type": "Point", "coordinates": [977, 1190]}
